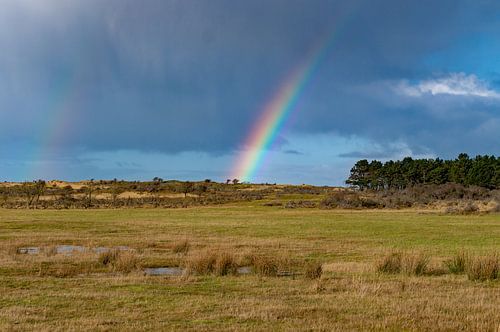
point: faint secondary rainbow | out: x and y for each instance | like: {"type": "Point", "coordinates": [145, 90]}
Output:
{"type": "Point", "coordinates": [276, 112]}
{"type": "Point", "coordinates": [56, 128]}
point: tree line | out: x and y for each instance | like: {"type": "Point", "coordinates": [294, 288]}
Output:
{"type": "Point", "coordinates": [483, 171]}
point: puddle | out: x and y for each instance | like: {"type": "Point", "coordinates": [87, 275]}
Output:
{"type": "Point", "coordinates": [163, 271]}
{"type": "Point", "coordinates": [101, 250]}
{"type": "Point", "coordinates": [28, 250]}
{"type": "Point", "coordinates": [177, 271]}
{"type": "Point", "coordinates": [68, 249]}
{"type": "Point", "coordinates": [244, 270]}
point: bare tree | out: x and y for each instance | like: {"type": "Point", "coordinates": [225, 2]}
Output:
{"type": "Point", "coordinates": [187, 187]}
{"type": "Point", "coordinates": [33, 191]}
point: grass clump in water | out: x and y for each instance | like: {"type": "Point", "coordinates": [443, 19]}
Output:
{"type": "Point", "coordinates": [212, 262]}
{"type": "Point", "coordinates": [119, 261]}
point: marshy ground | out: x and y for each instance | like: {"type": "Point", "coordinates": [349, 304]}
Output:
{"type": "Point", "coordinates": [248, 267]}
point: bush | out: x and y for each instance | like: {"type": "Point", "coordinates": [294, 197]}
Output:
{"type": "Point", "coordinates": [273, 203]}
{"type": "Point", "coordinates": [342, 199]}
{"type": "Point", "coordinates": [468, 208]}
{"type": "Point", "coordinates": [495, 207]}
{"type": "Point", "coordinates": [300, 204]}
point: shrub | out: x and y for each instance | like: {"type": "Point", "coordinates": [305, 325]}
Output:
{"type": "Point", "coordinates": [313, 271]}
{"type": "Point", "coordinates": [495, 207]}
{"type": "Point", "coordinates": [300, 204]}
{"type": "Point", "coordinates": [458, 263]}
{"type": "Point", "coordinates": [483, 268]}
{"type": "Point", "coordinates": [341, 199]}
{"type": "Point", "coordinates": [273, 203]}
{"type": "Point", "coordinates": [469, 208]}
{"type": "Point", "coordinates": [390, 263]}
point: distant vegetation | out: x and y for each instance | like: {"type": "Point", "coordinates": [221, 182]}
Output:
{"type": "Point", "coordinates": [482, 171]}
{"type": "Point", "coordinates": [118, 193]}
{"type": "Point", "coordinates": [461, 186]}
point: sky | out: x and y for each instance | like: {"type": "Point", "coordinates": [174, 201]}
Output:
{"type": "Point", "coordinates": [172, 88]}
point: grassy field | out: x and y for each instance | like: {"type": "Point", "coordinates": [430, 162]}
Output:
{"type": "Point", "coordinates": [61, 291]}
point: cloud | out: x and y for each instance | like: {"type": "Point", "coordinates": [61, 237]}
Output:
{"type": "Point", "coordinates": [172, 76]}
{"type": "Point", "coordinates": [455, 84]}
{"type": "Point", "coordinates": [295, 152]}
{"type": "Point", "coordinates": [387, 151]}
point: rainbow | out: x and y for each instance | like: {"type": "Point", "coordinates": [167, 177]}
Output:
{"type": "Point", "coordinates": [55, 130]}
{"type": "Point", "coordinates": [276, 112]}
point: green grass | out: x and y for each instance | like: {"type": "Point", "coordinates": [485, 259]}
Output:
{"type": "Point", "coordinates": [350, 295]}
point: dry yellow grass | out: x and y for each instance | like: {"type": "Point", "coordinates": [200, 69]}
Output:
{"type": "Point", "coordinates": [59, 291]}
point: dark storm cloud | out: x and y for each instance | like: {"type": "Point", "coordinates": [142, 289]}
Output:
{"type": "Point", "coordinates": [172, 76]}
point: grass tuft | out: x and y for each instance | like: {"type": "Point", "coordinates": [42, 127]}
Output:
{"type": "Point", "coordinates": [265, 266]}
{"type": "Point", "coordinates": [202, 262]}
{"type": "Point", "coordinates": [313, 270]}
{"type": "Point", "coordinates": [212, 262]}
{"type": "Point", "coordinates": [390, 263]}
{"type": "Point", "coordinates": [119, 261]}
{"type": "Point", "coordinates": [408, 263]}
{"type": "Point", "coordinates": [181, 247]}
{"type": "Point", "coordinates": [225, 264]}
{"type": "Point", "coordinates": [50, 251]}
{"type": "Point", "coordinates": [126, 262]}
{"type": "Point", "coordinates": [108, 257]}
{"type": "Point", "coordinates": [458, 263]}
{"type": "Point", "coordinates": [483, 268]}
{"type": "Point", "coordinates": [415, 264]}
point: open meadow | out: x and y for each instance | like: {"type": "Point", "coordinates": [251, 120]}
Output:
{"type": "Point", "coordinates": [245, 266]}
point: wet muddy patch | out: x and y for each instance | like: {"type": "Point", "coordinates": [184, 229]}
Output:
{"type": "Point", "coordinates": [28, 250]}
{"type": "Point", "coordinates": [67, 249]}
{"type": "Point", "coordinates": [164, 271]}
